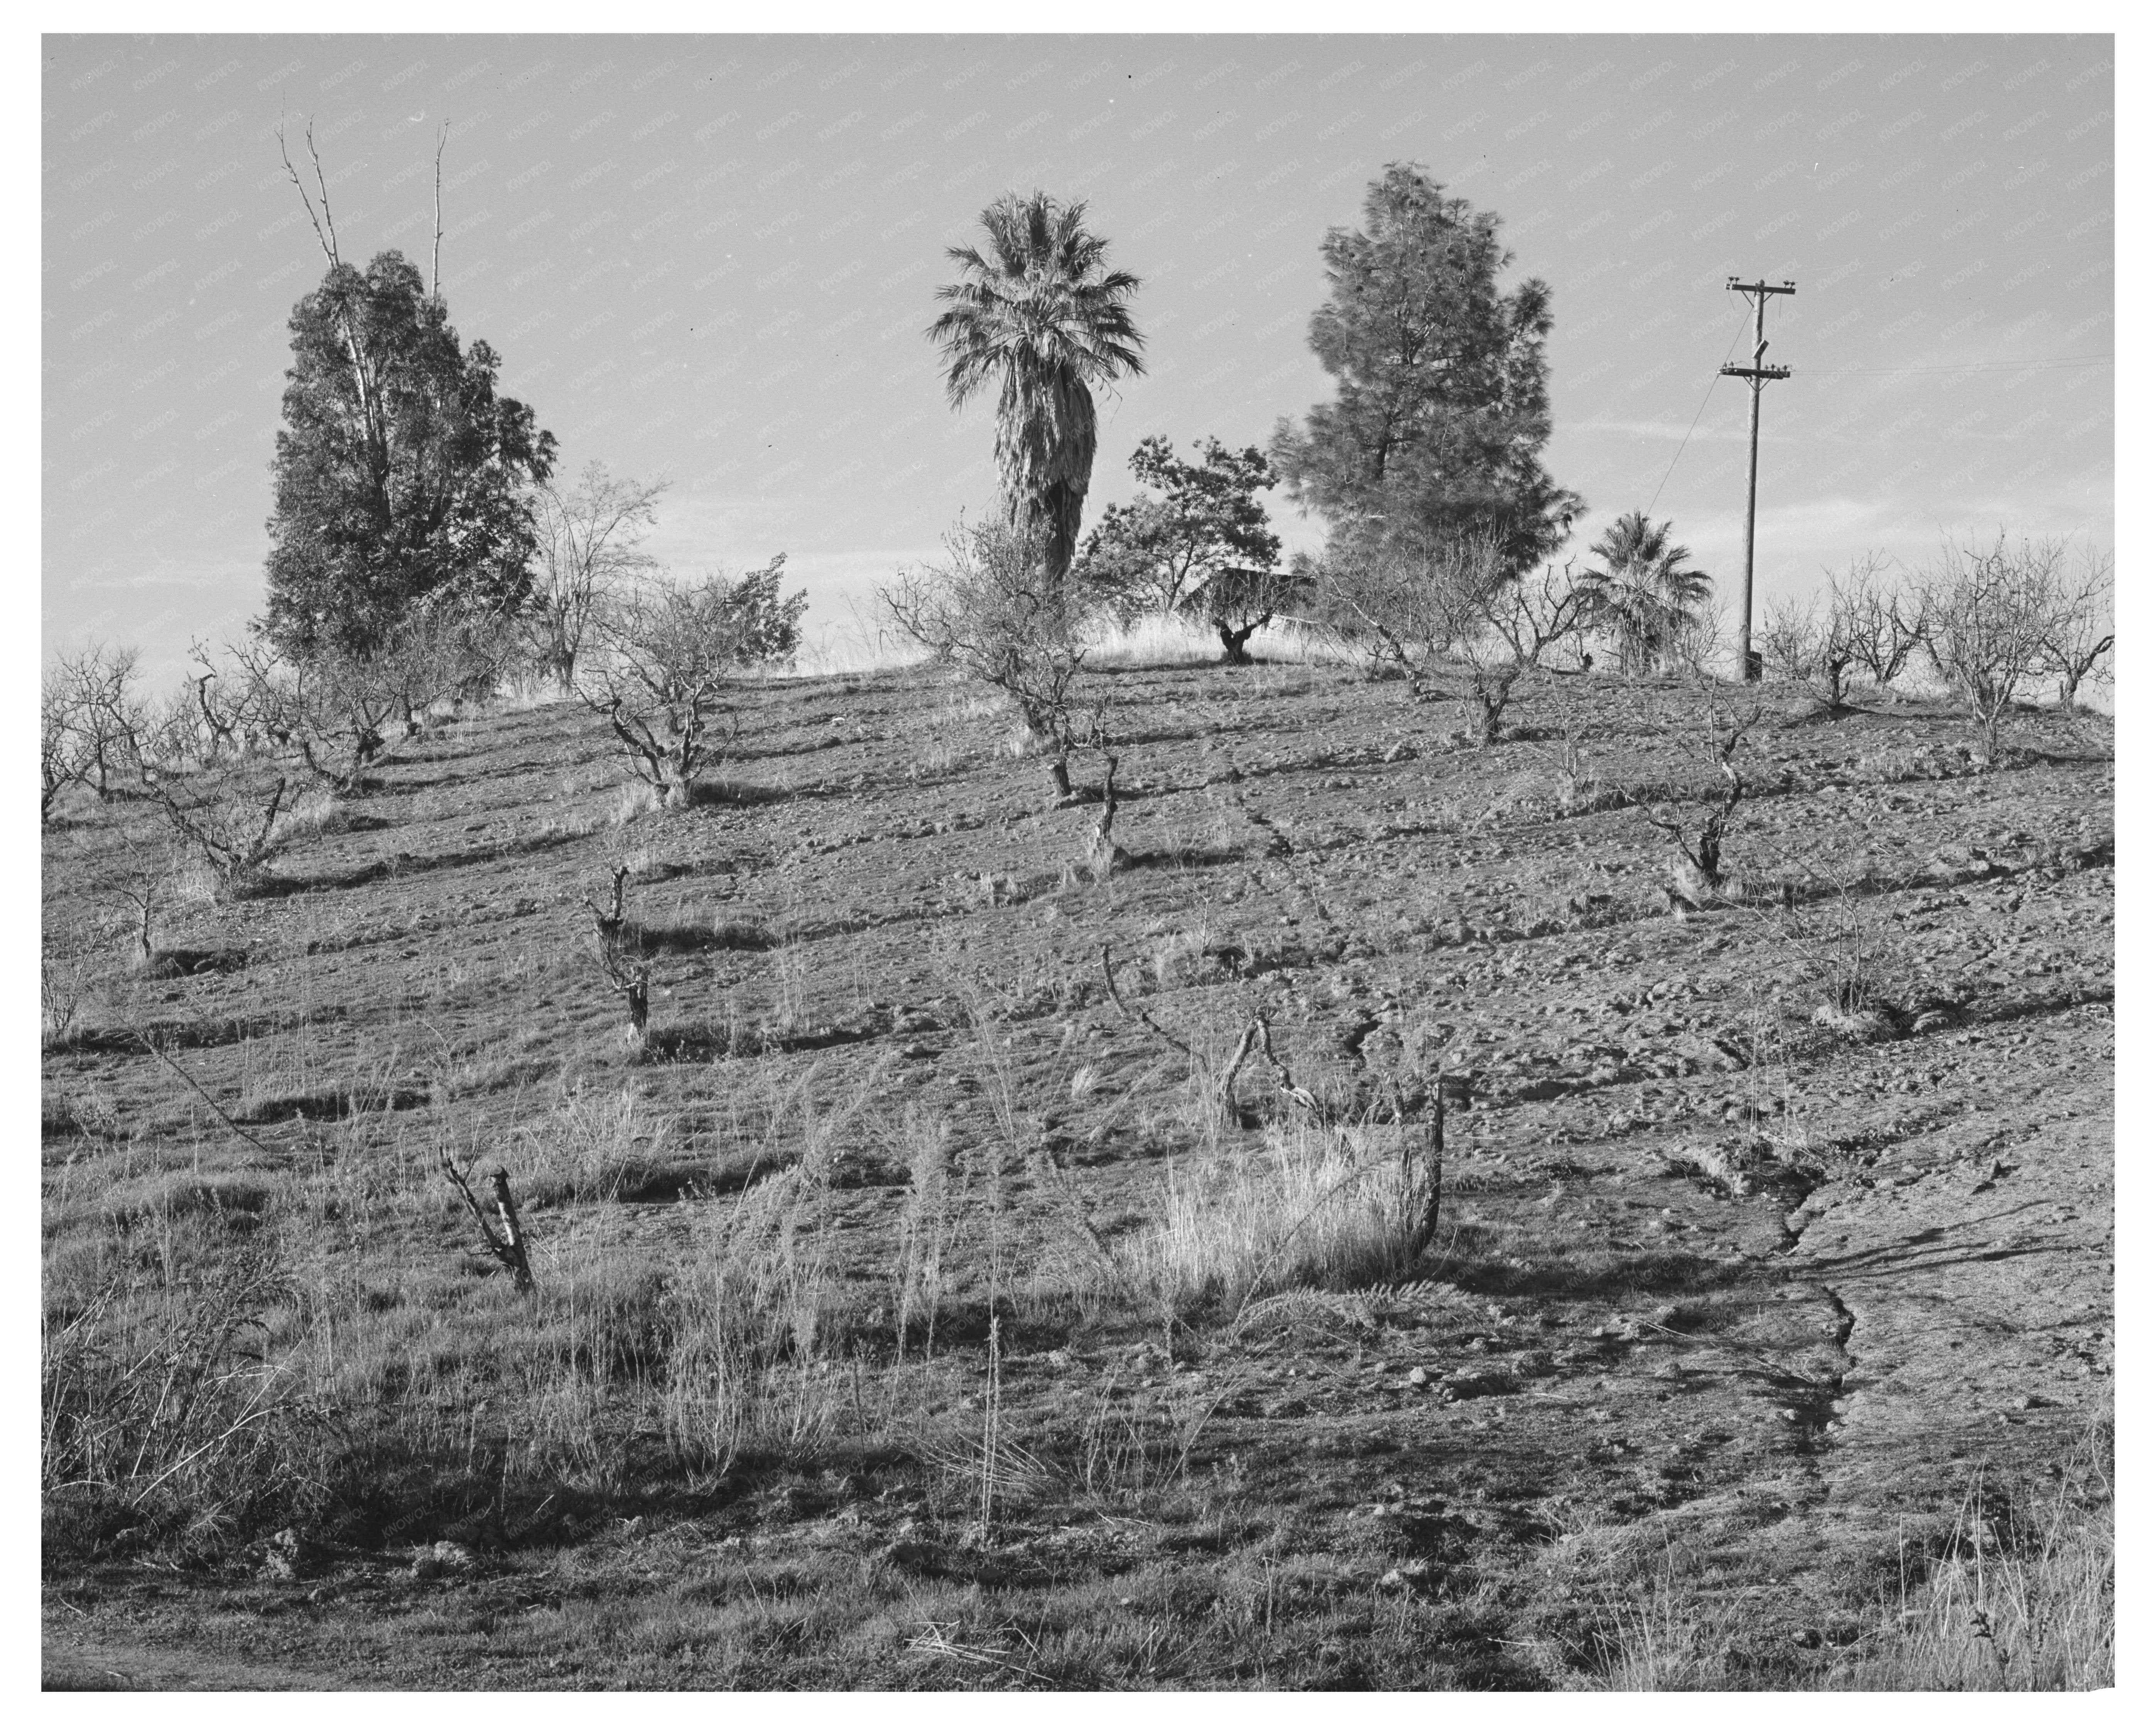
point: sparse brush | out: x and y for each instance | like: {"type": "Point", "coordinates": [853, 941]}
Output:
{"type": "Point", "coordinates": [1847, 959]}
{"type": "Point", "coordinates": [2023, 1598]}
{"type": "Point", "coordinates": [163, 1399]}
{"type": "Point", "coordinates": [1128, 1454]}
{"type": "Point", "coordinates": [65, 969]}
{"type": "Point", "coordinates": [1657, 1642]}
{"type": "Point", "coordinates": [591, 1146]}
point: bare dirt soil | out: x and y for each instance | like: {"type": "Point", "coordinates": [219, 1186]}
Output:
{"type": "Point", "coordinates": [1742, 1290]}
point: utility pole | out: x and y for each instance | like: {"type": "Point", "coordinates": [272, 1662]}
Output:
{"type": "Point", "coordinates": [1760, 374]}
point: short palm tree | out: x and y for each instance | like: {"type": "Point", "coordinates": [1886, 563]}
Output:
{"type": "Point", "coordinates": [1042, 317]}
{"type": "Point", "coordinates": [1644, 592]}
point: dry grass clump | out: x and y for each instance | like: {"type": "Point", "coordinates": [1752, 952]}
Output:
{"type": "Point", "coordinates": [2025, 1600]}
{"type": "Point", "coordinates": [749, 1325]}
{"type": "Point", "coordinates": [591, 1146]}
{"type": "Point", "coordinates": [1318, 1207]}
{"type": "Point", "coordinates": [926, 1226]}
{"type": "Point", "coordinates": [313, 814]}
{"type": "Point", "coordinates": [181, 1193]}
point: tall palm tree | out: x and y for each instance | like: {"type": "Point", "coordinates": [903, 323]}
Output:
{"type": "Point", "coordinates": [1644, 592]}
{"type": "Point", "coordinates": [1042, 317]}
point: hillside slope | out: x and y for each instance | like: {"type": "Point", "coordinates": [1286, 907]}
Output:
{"type": "Point", "coordinates": [1741, 1278]}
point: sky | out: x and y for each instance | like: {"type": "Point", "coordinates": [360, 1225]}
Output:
{"type": "Point", "coordinates": [712, 260]}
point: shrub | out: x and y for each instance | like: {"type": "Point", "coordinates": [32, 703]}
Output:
{"type": "Point", "coordinates": [665, 653]}
{"type": "Point", "coordinates": [992, 610]}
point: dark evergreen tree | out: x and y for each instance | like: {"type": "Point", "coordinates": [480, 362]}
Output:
{"type": "Point", "coordinates": [402, 477]}
{"type": "Point", "coordinates": [1442, 412]}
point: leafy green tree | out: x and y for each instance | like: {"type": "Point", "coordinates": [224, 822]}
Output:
{"type": "Point", "coordinates": [402, 476]}
{"type": "Point", "coordinates": [1441, 408]}
{"type": "Point", "coordinates": [1201, 547]}
{"type": "Point", "coordinates": [1645, 593]}
{"type": "Point", "coordinates": [1041, 316]}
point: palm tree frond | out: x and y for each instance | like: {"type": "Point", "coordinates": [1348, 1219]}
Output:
{"type": "Point", "coordinates": [1040, 313]}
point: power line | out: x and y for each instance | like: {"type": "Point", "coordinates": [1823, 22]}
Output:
{"type": "Point", "coordinates": [1696, 418]}
{"type": "Point", "coordinates": [1985, 365]}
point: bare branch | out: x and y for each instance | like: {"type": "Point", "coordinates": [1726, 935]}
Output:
{"type": "Point", "coordinates": [322, 184]}
{"type": "Point", "coordinates": [1141, 1016]}
{"type": "Point", "coordinates": [327, 239]}
{"type": "Point", "coordinates": [507, 1247]}
{"type": "Point", "coordinates": [1283, 1080]}
{"type": "Point", "coordinates": [434, 276]}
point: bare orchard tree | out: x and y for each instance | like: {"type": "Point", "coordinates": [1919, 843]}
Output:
{"type": "Point", "coordinates": [1407, 600]}
{"type": "Point", "coordinates": [991, 610]}
{"type": "Point", "coordinates": [173, 736]}
{"type": "Point", "coordinates": [2077, 633]}
{"type": "Point", "coordinates": [342, 712]}
{"type": "Point", "coordinates": [57, 766]}
{"type": "Point", "coordinates": [1508, 628]}
{"type": "Point", "coordinates": [1236, 602]}
{"type": "Point", "coordinates": [588, 539]}
{"type": "Point", "coordinates": [334, 709]}
{"type": "Point", "coordinates": [1884, 627]}
{"type": "Point", "coordinates": [1697, 639]}
{"type": "Point", "coordinates": [229, 814]}
{"type": "Point", "coordinates": [218, 702]}
{"type": "Point", "coordinates": [619, 951]}
{"type": "Point", "coordinates": [143, 885]}
{"type": "Point", "coordinates": [1787, 636]}
{"type": "Point", "coordinates": [1696, 871]}
{"type": "Point", "coordinates": [1801, 641]}
{"type": "Point", "coordinates": [1987, 612]}
{"type": "Point", "coordinates": [662, 655]}
{"type": "Point", "coordinates": [101, 714]}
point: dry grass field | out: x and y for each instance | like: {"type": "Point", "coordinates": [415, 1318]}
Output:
{"type": "Point", "coordinates": [911, 1314]}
